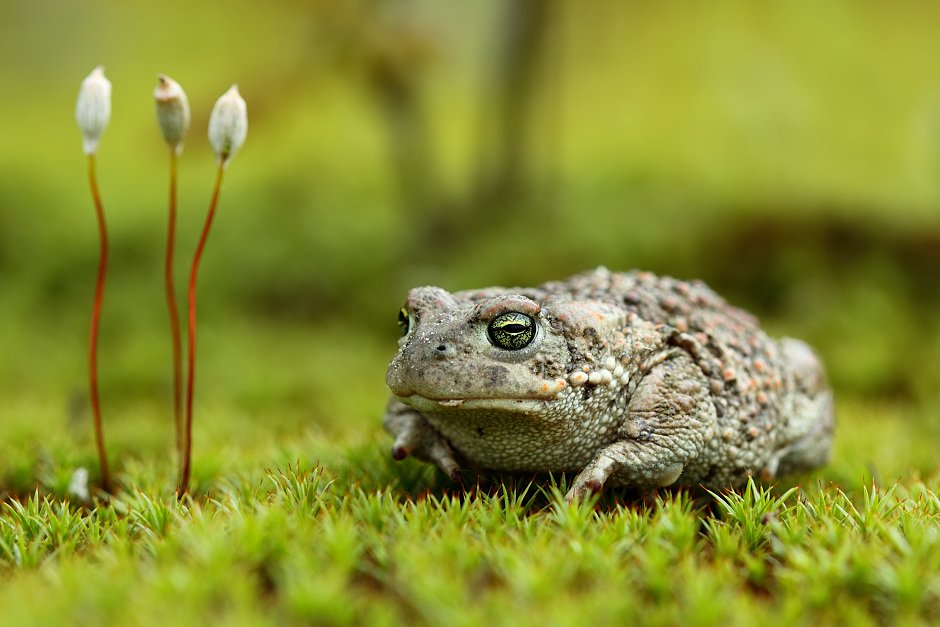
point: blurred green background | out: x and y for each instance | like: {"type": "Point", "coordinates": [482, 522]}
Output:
{"type": "Point", "coordinates": [786, 153]}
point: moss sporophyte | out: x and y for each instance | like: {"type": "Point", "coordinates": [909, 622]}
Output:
{"type": "Point", "coordinates": [92, 112]}
{"type": "Point", "coordinates": [228, 127]}
{"type": "Point", "coordinates": [173, 117]}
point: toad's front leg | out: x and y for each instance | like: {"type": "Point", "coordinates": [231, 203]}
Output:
{"type": "Point", "coordinates": [669, 418]}
{"type": "Point", "coordinates": [415, 436]}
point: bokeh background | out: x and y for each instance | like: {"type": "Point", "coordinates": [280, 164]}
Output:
{"type": "Point", "coordinates": [786, 153]}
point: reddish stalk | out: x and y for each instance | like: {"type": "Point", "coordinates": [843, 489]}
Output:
{"type": "Point", "coordinates": [191, 379]}
{"type": "Point", "coordinates": [174, 310]}
{"type": "Point", "coordinates": [95, 319]}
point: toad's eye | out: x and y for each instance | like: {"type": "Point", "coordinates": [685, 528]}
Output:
{"type": "Point", "coordinates": [511, 330]}
{"type": "Point", "coordinates": [404, 321]}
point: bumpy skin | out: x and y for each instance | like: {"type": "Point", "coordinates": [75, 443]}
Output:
{"type": "Point", "coordinates": [631, 379]}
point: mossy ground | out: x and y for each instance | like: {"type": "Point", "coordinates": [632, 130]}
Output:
{"type": "Point", "coordinates": [300, 544]}
{"type": "Point", "coordinates": [291, 523]}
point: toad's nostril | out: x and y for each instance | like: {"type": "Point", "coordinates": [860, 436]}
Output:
{"type": "Point", "coordinates": [444, 350]}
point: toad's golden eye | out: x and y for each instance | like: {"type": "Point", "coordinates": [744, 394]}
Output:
{"type": "Point", "coordinates": [404, 321]}
{"type": "Point", "coordinates": [511, 330]}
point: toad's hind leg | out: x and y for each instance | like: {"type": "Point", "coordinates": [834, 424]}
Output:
{"type": "Point", "coordinates": [809, 413]}
{"type": "Point", "coordinates": [415, 436]}
{"type": "Point", "coordinates": [669, 419]}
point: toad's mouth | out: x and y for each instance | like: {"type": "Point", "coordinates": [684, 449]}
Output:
{"type": "Point", "coordinates": [537, 396]}
{"type": "Point", "coordinates": [523, 405]}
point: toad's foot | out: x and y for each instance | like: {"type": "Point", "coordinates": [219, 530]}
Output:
{"type": "Point", "coordinates": [629, 465]}
{"type": "Point", "coordinates": [416, 437]}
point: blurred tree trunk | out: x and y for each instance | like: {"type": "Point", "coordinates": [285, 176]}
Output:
{"type": "Point", "coordinates": [410, 147]}
{"type": "Point", "coordinates": [398, 53]}
{"type": "Point", "coordinates": [506, 164]}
